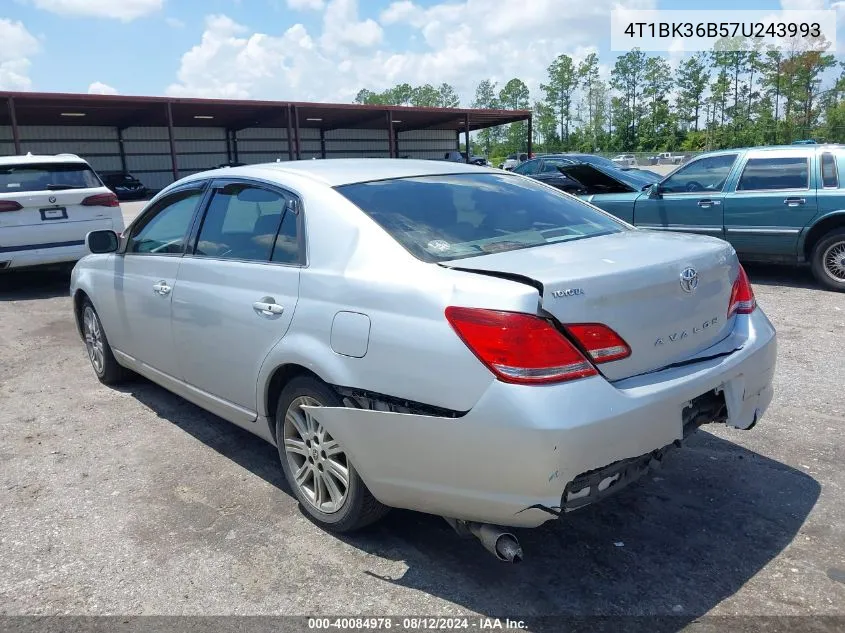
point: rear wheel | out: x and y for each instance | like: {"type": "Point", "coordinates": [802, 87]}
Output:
{"type": "Point", "coordinates": [315, 465]}
{"type": "Point", "coordinates": [828, 260]}
{"type": "Point", "coordinates": [108, 371]}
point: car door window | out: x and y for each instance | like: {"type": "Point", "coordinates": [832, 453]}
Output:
{"type": "Point", "coordinates": [550, 165]}
{"type": "Point", "coordinates": [528, 168]}
{"type": "Point", "coordinates": [705, 174]}
{"type": "Point", "coordinates": [162, 230]}
{"type": "Point", "coordinates": [242, 222]}
{"type": "Point", "coordinates": [830, 175]}
{"type": "Point", "coordinates": [767, 174]}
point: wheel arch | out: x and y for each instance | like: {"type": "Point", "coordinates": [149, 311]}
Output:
{"type": "Point", "coordinates": [278, 379]}
{"type": "Point", "coordinates": [79, 298]}
{"type": "Point", "coordinates": [835, 220]}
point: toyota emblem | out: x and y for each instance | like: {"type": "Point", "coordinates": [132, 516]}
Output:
{"type": "Point", "coordinates": [689, 279]}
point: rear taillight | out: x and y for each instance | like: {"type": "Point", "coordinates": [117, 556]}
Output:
{"type": "Point", "coordinates": [600, 342]}
{"type": "Point", "coordinates": [519, 348]}
{"type": "Point", "coordinates": [10, 205]}
{"type": "Point", "coordinates": [101, 200]}
{"type": "Point", "coordinates": [742, 296]}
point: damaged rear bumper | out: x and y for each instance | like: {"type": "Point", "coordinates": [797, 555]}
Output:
{"type": "Point", "coordinates": [524, 454]}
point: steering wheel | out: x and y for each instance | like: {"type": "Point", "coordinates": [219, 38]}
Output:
{"type": "Point", "coordinates": [694, 186]}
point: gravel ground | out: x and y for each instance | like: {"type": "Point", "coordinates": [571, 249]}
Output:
{"type": "Point", "coordinates": [132, 501]}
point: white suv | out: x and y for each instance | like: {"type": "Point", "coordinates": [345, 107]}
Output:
{"type": "Point", "coordinates": [48, 204]}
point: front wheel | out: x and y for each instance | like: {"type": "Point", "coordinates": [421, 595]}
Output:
{"type": "Point", "coordinates": [828, 260]}
{"type": "Point", "coordinates": [108, 370]}
{"type": "Point", "coordinates": [315, 465]}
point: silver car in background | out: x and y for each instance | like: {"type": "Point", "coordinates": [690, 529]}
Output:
{"type": "Point", "coordinates": [441, 337]}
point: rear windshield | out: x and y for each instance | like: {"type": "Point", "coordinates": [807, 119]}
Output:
{"type": "Point", "coordinates": [47, 177]}
{"type": "Point", "coordinates": [439, 218]}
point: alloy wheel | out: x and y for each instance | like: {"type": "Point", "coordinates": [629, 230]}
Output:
{"type": "Point", "coordinates": [833, 260]}
{"type": "Point", "coordinates": [318, 464]}
{"type": "Point", "coordinates": [93, 332]}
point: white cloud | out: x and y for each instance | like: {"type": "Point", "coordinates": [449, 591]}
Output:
{"type": "Point", "coordinates": [299, 5]}
{"type": "Point", "coordinates": [99, 88]}
{"type": "Point", "coordinates": [124, 10]}
{"type": "Point", "coordinates": [18, 45]}
{"type": "Point", "coordinates": [174, 23]}
{"type": "Point", "coordinates": [463, 42]}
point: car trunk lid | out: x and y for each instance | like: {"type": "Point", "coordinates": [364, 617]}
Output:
{"type": "Point", "coordinates": [631, 282]}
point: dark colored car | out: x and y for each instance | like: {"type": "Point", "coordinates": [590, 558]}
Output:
{"type": "Point", "coordinates": [125, 186]}
{"type": "Point", "coordinates": [569, 173]}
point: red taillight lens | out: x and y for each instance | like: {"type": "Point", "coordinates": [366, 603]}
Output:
{"type": "Point", "coordinates": [602, 344]}
{"type": "Point", "coordinates": [742, 296]}
{"type": "Point", "coordinates": [10, 205]}
{"type": "Point", "coordinates": [519, 348]}
{"type": "Point", "coordinates": [101, 200]}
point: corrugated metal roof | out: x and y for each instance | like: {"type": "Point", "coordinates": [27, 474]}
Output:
{"type": "Point", "coordinates": [47, 108]}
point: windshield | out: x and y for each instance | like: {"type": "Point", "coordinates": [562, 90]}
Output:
{"type": "Point", "coordinates": [438, 218]}
{"type": "Point", "coordinates": [47, 176]}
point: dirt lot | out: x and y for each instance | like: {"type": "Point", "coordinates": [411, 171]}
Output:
{"type": "Point", "coordinates": [132, 501]}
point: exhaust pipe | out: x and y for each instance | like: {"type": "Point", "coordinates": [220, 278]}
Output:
{"type": "Point", "coordinates": [502, 544]}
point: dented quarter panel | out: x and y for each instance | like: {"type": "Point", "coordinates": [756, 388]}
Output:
{"type": "Point", "coordinates": [520, 445]}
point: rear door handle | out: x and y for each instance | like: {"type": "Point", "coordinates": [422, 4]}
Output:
{"type": "Point", "coordinates": [161, 288]}
{"type": "Point", "coordinates": [709, 203]}
{"type": "Point", "coordinates": [794, 202]}
{"type": "Point", "coordinates": [268, 307]}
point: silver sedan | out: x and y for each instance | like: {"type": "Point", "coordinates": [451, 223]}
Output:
{"type": "Point", "coordinates": [427, 335]}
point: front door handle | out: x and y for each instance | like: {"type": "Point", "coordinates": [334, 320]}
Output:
{"type": "Point", "coordinates": [268, 307]}
{"type": "Point", "coordinates": [707, 203]}
{"type": "Point", "coordinates": [794, 202]}
{"type": "Point", "coordinates": [161, 288]}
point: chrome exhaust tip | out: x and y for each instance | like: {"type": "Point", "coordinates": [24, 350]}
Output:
{"type": "Point", "coordinates": [496, 540]}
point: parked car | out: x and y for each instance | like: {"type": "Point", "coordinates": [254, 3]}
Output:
{"type": "Point", "coordinates": [666, 158]}
{"type": "Point", "coordinates": [125, 186]}
{"type": "Point", "coordinates": [47, 206]}
{"type": "Point", "coordinates": [595, 178]}
{"type": "Point", "coordinates": [513, 160]}
{"type": "Point", "coordinates": [407, 333]}
{"type": "Point", "coordinates": [625, 160]}
{"type": "Point", "coordinates": [773, 204]}
{"type": "Point", "coordinates": [461, 157]}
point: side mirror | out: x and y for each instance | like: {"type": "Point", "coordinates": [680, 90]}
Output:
{"type": "Point", "coordinates": [654, 191]}
{"type": "Point", "coordinates": [102, 241]}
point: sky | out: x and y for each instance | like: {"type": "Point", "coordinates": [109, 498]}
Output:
{"type": "Point", "coordinates": [309, 50]}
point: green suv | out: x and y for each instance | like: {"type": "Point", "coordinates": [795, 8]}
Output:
{"type": "Point", "coordinates": [773, 204]}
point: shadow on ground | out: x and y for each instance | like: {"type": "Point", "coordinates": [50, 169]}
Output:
{"type": "Point", "coordinates": [676, 544]}
{"type": "Point", "coordinates": [34, 284]}
{"type": "Point", "coordinates": [781, 275]}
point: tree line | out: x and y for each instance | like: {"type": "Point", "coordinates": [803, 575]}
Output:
{"type": "Point", "coordinates": [736, 95]}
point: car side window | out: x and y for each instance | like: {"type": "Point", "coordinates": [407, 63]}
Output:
{"type": "Point", "coordinates": [830, 174]}
{"type": "Point", "coordinates": [767, 174]}
{"type": "Point", "coordinates": [286, 249]}
{"type": "Point", "coordinates": [242, 222]}
{"type": "Point", "coordinates": [162, 230]}
{"type": "Point", "coordinates": [550, 165]}
{"type": "Point", "coordinates": [705, 174]}
{"type": "Point", "coordinates": [528, 168]}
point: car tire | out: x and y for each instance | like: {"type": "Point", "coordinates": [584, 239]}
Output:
{"type": "Point", "coordinates": [105, 365]}
{"type": "Point", "coordinates": [828, 260]}
{"type": "Point", "coordinates": [358, 507]}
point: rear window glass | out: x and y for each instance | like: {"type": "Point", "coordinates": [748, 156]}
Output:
{"type": "Point", "coordinates": [47, 177]}
{"type": "Point", "coordinates": [439, 218]}
{"type": "Point", "coordinates": [775, 173]}
{"type": "Point", "coordinates": [830, 176]}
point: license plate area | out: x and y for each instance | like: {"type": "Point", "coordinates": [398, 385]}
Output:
{"type": "Point", "coordinates": [53, 213]}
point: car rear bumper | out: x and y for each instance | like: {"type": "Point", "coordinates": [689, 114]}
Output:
{"type": "Point", "coordinates": [43, 254]}
{"type": "Point", "coordinates": [509, 460]}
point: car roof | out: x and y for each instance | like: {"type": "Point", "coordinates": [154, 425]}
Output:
{"type": "Point", "coordinates": [335, 172]}
{"type": "Point", "coordinates": [36, 158]}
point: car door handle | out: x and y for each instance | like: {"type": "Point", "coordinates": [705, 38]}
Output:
{"type": "Point", "coordinates": [268, 307]}
{"type": "Point", "coordinates": [794, 202]}
{"type": "Point", "coordinates": [709, 203]}
{"type": "Point", "coordinates": [161, 288]}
